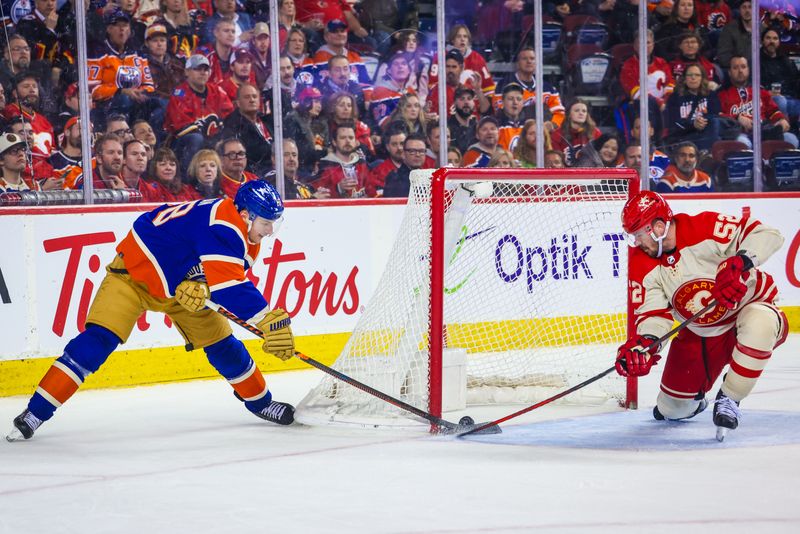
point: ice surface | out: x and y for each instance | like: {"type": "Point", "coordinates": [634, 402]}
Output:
{"type": "Point", "coordinates": [188, 458]}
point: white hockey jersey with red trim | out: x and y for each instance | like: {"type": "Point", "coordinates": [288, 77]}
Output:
{"type": "Point", "coordinates": [678, 285]}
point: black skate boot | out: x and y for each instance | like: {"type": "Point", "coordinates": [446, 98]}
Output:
{"type": "Point", "coordinates": [726, 415]}
{"type": "Point", "coordinates": [279, 413]}
{"type": "Point", "coordinates": [25, 424]}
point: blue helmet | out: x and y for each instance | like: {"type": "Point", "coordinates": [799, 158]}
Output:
{"type": "Point", "coordinates": [260, 199]}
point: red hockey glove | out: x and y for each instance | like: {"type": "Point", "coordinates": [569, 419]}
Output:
{"type": "Point", "coordinates": [636, 356]}
{"type": "Point", "coordinates": [729, 287]}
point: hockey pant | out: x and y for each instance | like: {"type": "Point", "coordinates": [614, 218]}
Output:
{"type": "Point", "coordinates": [694, 363]}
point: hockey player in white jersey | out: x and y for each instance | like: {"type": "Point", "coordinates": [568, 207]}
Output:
{"type": "Point", "coordinates": [681, 263]}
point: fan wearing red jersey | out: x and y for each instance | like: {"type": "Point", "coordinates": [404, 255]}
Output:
{"type": "Point", "coordinates": [196, 110]}
{"type": "Point", "coordinates": [173, 259]}
{"type": "Point", "coordinates": [681, 264]}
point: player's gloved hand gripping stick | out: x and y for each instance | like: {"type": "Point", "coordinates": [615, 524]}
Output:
{"type": "Point", "coordinates": [654, 345]}
{"type": "Point", "coordinates": [274, 327]}
{"type": "Point", "coordinates": [441, 426]}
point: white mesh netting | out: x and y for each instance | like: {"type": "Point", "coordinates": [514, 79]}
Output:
{"type": "Point", "coordinates": [535, 300]}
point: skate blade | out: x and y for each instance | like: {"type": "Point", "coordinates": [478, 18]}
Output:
{"type": "Point", "coordinates": [15, 435]}
{"type": "Point", "coordinates": [721, 433]}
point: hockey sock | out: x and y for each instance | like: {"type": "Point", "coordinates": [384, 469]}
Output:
{"type": "Point", "coordinates": [746, 366]}
{"type": "Point", "coordinates": [232, 361]}
{"type": "Point", "coordinates": [758, 329]}
{"type": "Point", "coordinates": [82, 356]}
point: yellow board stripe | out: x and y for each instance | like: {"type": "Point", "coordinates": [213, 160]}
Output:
{"type": "Point", "coordinates": [173, 364]}
{"type": "Point", "coordinates": [164, 365]}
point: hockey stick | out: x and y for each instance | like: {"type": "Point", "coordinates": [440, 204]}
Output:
{"type": "Point", "coordinates": [595, 378]}
{"type": "Point", "coordinates": [441, 425]}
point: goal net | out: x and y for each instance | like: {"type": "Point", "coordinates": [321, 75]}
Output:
{"type": "Point", "coordinates": [504, 286]}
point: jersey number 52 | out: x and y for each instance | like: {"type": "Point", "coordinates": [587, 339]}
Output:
{"type": "Point", "coordinates": [725, 227]}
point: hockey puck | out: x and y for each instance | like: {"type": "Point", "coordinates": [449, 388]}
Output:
{"type": "Point", "coordinates": [466, 421]}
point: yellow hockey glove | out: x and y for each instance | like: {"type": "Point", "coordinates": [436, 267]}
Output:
{"type": "Point", "coordinates": [278, 338]}
{"type": "Point", "coordinates": [192, 295]}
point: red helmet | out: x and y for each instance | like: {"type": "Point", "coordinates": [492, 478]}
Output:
{"type": "Point", "coordinates": [642, 209]}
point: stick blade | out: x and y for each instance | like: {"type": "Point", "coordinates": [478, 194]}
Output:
{"type": "Point", "coordinates": [469, 430]}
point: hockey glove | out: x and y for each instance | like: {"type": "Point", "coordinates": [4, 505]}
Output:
{"type": "Point", "coordinates": [729, 287]}
{"type": "Point", "coordinates": [636, 356]}
{"type": "Point", "coordinates": [192, 295]}
{"type": "Point", "coordinates": [278, 338]}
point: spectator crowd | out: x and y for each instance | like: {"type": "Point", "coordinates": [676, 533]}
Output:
{"type": "Point", "coordinates": [182, 92]}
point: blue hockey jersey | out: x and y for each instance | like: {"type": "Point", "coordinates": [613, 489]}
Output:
{"type": "Point", "coordinates": [200, 240]}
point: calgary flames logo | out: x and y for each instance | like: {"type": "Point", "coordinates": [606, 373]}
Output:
{"type": "Point", "coordinates": [645, 202]}
{"type": "Point", "coordinates": [692, 297]}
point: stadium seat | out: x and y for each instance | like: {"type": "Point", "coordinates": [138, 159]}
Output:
{"type": "Point", "coordinates": [783, 172]}
{"type": "Point", "coordinates": [768, 148]}
{"type": "Point", "coordinates": [736, 171]}
{"type": "Point", "coordinates": [721, 148]}
{"type": "Point", "coordinates": [572, 23]}
{"type": "Point", "coordinates": [588, 73]}
{"type": "Point", "coordinates": [620, 53]}
{"type": "Point", "coordinates": [592, 33]}
{"type": "Point", "coordinates": [552, 44]}
{"type": "Point", "coordinates": [575, 52]}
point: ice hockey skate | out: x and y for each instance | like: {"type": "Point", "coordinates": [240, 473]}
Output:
{"type": "Point", "coordinates": [25, 424]}
{"type": "Point", "coordinates": [280, 413]}
{"type": "Point", "coordinates": [726, 415]}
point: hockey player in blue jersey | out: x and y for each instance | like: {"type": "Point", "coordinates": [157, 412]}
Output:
{"type": "Point", "coordinates": [173, 259]}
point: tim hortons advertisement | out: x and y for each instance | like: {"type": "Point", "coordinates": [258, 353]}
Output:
{"type": "Point", "coordinates": [327, 262]}
{"type": "Point", "coordinates": [322, 269]}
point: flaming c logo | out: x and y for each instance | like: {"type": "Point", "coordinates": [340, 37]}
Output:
{"type": "Point", "coordinates": [692, 297]}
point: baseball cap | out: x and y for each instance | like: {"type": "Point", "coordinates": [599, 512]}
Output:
{"type": "Point", "coordinates": [239, 53]}
{"type": "Point", "coordinates": [260, 28]}
{"type": "Point", "coordinates": [464, 89]}
{"type": "Point", "coordinates": [72, 121]}
{"type": "Point", "coordinates": [486, 119]}
{"type": "Point", "coordinates": [155, 29]}
{"type": "Point", "coordinates": [336, 24]}
{"type": "Point", "coordinates": [196, 61]}
{"type": "Point", "coordinates": [454, 53]}
{"type": "Point", "coordinates": [9, 141]}
{"type": "Point", "coordinates": [116, 15]}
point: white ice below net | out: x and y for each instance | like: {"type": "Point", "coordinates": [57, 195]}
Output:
{"type": "Point", "coordinates": [388, 347]}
